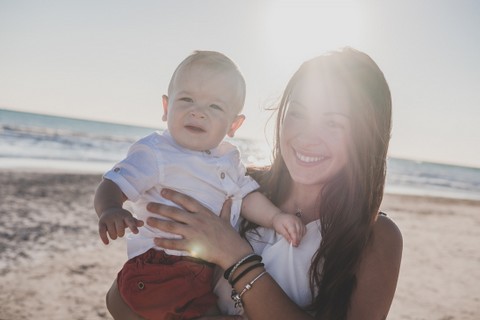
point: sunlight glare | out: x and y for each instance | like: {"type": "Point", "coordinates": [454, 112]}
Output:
{"type": "Point", "coordinates": [298, 30]}
{"type": "Point", "coordinates": [195, 251]}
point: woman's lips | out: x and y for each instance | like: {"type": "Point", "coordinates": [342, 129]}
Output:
{"type": "Point", "coordinates": [309, 158]}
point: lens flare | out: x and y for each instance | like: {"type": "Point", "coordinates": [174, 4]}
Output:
{"type": "Point", "coordinates": [196, 251]}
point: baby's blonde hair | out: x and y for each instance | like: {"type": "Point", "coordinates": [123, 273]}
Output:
{"type": "Point", "coordinates": [217, 61]}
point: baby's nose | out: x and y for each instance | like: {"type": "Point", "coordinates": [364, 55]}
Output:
{"type": "Point", "coordinates": [197, 114]}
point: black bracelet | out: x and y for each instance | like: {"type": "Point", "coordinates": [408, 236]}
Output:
{"type": "Point", "coordinates": [244, 272]}
{"type": "Point", "coordinates": [249, 258]}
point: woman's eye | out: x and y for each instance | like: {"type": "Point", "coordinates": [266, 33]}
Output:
{"type": "Point", "coordinates": [334, 124]}
{"type": "Point", "coordinates": [298, 114]}
{"type": "Point", "coordinates": [296, 110]}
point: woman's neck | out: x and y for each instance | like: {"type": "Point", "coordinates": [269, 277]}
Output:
{"type": "Point", "coordinates": [303, 200]}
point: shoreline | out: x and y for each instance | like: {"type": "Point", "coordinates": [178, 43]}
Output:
{"type": "Point", "coordinates": [54, 266]}
{"type": "Point", "coordinates": [51, 166]}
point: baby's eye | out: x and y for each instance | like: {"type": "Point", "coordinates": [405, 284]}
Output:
{"type": "Point", "coordinates": [216, 107]}
{"type": "Point", "coordinates": [186, 99]}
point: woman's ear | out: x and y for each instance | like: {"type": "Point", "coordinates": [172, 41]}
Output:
{"type": "Point", "coordinates": [237, 122]}
{"type": "Point", "coordinates": [165, 107]}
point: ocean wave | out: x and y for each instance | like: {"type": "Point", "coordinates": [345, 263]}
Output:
{"type": "Point", "coordinates": [22, 131]}
{"type": "Point", "coordinates": [37, 139]}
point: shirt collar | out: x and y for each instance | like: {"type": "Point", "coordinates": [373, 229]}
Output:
{"type": "Point", "coordinates": [215, 152]}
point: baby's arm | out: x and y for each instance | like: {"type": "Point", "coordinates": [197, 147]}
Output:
{"type": "Point", "coordinates": [113, 218]}
{"type": "Point", "coordinates": [258, 209]}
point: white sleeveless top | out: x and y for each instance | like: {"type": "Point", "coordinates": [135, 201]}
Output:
{"type": "Point", "coordinates": [286, 264]}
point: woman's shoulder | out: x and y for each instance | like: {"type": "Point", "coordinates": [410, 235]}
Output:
{"type": "Point", "coordinates": [386, 237]}
{"type": "Point", "coordinates": [386, 226]}
{"type": "Point", "coordinates": [378, 271]}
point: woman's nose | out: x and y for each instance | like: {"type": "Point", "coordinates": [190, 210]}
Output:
{"type": "Point", "coordinates": [313, 132]}
{"type": "Point", "coordinates": [311, 129]}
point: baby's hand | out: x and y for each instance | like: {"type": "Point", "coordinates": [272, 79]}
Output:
{"type": "Point", "coordinates": [290, 227]}
{"type": "Point", "coordinates": [115, 221]}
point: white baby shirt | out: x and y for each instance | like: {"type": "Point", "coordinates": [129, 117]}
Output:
{"type": "Point", "coordinates": [157, 162]}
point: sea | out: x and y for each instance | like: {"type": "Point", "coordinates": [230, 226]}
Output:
{"type": "Point", "coordinates": [42, 142]}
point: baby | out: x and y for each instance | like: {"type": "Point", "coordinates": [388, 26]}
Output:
{"type": "Point", "coordinates": [205, 97]}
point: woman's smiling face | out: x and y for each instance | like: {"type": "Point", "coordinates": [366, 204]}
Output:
{"type": "Point", "coordinates": [315, 134]}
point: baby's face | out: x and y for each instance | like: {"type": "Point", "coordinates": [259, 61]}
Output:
{"type": "Point", "coordinates": [203, 107]}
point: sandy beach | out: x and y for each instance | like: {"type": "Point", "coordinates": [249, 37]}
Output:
{"type": "Point", "coordinates": [54, 266]}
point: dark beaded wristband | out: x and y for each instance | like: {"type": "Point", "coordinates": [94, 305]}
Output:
{"type": "Point", "coordinates": [244, 272]}
{"type": "Point", "coordinates": [249, 258]}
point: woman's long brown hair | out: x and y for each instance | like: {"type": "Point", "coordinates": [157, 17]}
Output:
{"type": "Point", "coordinates": [349, 202]}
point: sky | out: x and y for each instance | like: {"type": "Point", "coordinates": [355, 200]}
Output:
{"type": "Point", "coordinates": [111, 60]}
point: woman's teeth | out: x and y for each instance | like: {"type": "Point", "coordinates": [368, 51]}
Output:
{"type": "Point", "coordinates": [308, 159]}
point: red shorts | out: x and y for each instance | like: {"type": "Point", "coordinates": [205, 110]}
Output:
{"type": "Point", "coordinates": [156, 285]}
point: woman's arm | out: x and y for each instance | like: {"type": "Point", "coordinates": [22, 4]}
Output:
{"type": "Point", "coordinates": [378, 273]}
{"type": "Point", "coordinates": [211, 238]}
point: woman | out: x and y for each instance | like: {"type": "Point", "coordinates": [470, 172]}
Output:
{"type": "Point", "coordinates": [332, 134]}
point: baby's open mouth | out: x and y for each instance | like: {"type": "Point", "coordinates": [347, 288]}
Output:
{"type": "Point", "coordinates": [194, 128]}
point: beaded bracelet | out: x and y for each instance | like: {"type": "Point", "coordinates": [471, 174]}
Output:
{"type": "Point", "coordinates": [250, 257]}
{"type": "Point", "coordinates": [244, 272]}
{"type": "Point", "coordinates": [237, 297]}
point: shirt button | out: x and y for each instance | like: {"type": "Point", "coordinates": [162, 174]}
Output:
{"type": "Point", "coordinates": [222, 175]}
{"type": "Point", "coordinates": [116, 169]}
{"type": "Point", "coordinates": [141, 285]}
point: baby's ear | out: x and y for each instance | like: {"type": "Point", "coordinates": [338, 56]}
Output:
{"type": "Point", "coordinates": [165, 107]}
{"type": "Point", "coordinates": [237, 122]}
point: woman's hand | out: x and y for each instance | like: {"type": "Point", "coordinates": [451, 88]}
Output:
{"type": "Point", "coordinates": [212, 238]}
{"type": "Point", "coordinates": [205, 235]}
